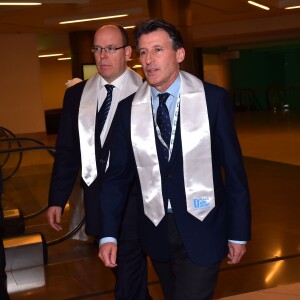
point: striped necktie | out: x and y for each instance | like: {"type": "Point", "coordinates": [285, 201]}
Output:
{"type": "Point", "coordinates": [103, 112]}
{"type": "Point", "coordinates": [164, 123]}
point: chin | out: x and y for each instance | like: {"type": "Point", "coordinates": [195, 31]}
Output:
{"type": "Point", "coordinates": [106, 74]}
{"type": "Point", "coordinates": [152, 81]}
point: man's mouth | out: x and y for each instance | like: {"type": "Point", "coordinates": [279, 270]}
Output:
{"type": "Point", "coordinates": [152, 71]}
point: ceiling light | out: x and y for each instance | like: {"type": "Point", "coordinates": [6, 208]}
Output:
{"type": "Point", "coordinates": [258, 5]}
{"type": "Point", "coordinates": [64, 58]}
{"type": "Point", "coordinates": [292, 7]}
{"type": "Point", "coordinates": [50, 55]}
{"type": "Point", "coordinates": [20, 3]}
{"type": "Point", "coordinates": [93, 19]}
{"type": "Point", "coordinates": [129, 27]}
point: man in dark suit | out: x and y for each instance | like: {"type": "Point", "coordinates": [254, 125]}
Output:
{"type": "Point", "coordinates": [88, 110]}
{"type": "Point", "coordinates": [177, 134]}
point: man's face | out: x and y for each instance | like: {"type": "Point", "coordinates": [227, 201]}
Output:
{"type": "Point", "coordinates": [159, 60]}
{"type": "Point", "coordinates": [111, 65]}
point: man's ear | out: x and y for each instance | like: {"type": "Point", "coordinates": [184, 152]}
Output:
{"type": "Point", "coordinates": [128, 51]}
{"type": "Point", "coordinates": [180, 55]}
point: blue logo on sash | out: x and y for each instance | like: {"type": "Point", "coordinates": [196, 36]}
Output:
{"type": "Point", "coordinates": [201, 203]}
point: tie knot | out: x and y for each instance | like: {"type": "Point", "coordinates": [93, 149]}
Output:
{"type": "Point", "coordinates": [109, 88]}
{"type": "Point", "coordinates": [163, 97]}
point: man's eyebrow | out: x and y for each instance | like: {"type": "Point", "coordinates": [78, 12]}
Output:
{"type": "Point", "coordinates": [154, 46]}
{"type": "Point", "coordinates": [96, 45]}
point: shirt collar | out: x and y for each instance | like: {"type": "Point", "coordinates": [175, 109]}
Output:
{"type": "Point", "coordinates": [117, 83]}
{"type": "Point", "coordinates": [173, 89]}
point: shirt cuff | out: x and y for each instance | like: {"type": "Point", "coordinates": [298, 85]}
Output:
{"type": "Point", "coordinates": [238, 242]}
{"type": "Point", "coordinates": [107, 240]}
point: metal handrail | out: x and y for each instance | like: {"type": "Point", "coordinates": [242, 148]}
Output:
{"type": "Point", "coordinates": [51, 150]}
{"type": "Point", "coordinates": [42, 146]}
{"type": "Point", "coordinates": [5, 131]}
{"type": "Point", "coordinates": [21, 150]}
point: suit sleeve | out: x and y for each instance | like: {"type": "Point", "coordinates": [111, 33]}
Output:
{"type": "Point", "coordinates": [67, 160]}
{"type": "Point", "coordinates": [236, 185]}
{"type": "Point", "coordinates": [120, 174]}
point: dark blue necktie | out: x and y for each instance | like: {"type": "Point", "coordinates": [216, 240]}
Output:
{"type": "Point", "coordinates": [103, 112]}
{"type": "Point", "coordinates": [164, 123]}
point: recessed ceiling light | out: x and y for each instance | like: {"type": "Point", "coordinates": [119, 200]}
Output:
{"type": "Point", "coordinates": [50, 55]}
{"type": "Point", "coordinates": [20, 3]}
{"type": "Point", "coordinates": [93, 19]}
{"type": "Point", "coordinates": [292, 7]}
{"type": "Point", "coordinates": [64, 58]}
{"type": "Point", "coordinates": [258, 5]}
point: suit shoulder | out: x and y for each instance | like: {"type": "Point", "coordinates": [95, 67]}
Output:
{"type": "Point", "coordinates": [212, 88]}
{"type": "Point", "coordinates": [73, 94]}
{"type": "Point", "coordinates": [76, 88]}
{"type": "Point", "coordinates": [216, 96]}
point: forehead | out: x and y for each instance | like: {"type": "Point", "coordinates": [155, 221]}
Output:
{"type": "Point", "coordinates": [155, 38]}
{"type": "Point", "coordinates": [108, 35]}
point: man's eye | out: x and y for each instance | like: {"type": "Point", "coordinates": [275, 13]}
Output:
{"type": "Point", "coordinates": [142, 53]}
{"type": "Point", "coordinates": [97, 49]}
{"type": "Point", "coordinates": [157, 49]}
{"type": "Point", "coordinates": [110, 49]}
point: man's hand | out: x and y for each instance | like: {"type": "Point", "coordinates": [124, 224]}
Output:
{"type": "Point", "coordinates": [236, 252]}
{"type": "Point", "coordinates": [54, 217]}
{"type": "Point", "coordinates": [108, 254]}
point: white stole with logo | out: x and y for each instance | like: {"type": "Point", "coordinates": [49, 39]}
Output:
{"type": "Point", "coordinates": [196, 150]}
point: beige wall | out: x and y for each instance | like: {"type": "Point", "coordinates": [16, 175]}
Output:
{"type": "Point", "coordinates": [28, 85]}
{"type": "Point", "coordinates": [21, 106]}
{"type": "Point", "coordinates": [216, 70]}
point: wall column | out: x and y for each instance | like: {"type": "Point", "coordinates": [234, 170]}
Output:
{"type": "Point", "coordinates": [80, 45]}
{"type": "Point", "coordinates": [178, 12]}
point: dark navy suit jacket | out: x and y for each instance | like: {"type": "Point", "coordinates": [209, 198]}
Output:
{"type": "Point", "coordinates": [206, 241]}
{"type": "Point", "coordinates": [1, 212]}
{"type": "Point", "coordinates": [67, 164]}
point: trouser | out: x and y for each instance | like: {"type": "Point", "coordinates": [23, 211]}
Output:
{"type": "Point", "coordinates": [180, 278]}
{"type": "Point", "coordinates": [131, 272]}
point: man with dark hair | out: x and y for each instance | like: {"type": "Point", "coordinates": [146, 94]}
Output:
{"type": "Point", "coordinates": [88, 111]}
{"type": "Point", "coordinates": [177, 134]}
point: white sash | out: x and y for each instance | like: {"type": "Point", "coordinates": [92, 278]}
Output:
{"type": "Point", "coordinates": [87, 119]}
{"type": "Point", "coordinates": [86, 127]}
{"type": "Point", "coordinates": [196, 150]}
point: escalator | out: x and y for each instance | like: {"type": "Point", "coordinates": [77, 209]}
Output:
{"type": "Point", "coordinates": [26, 166]}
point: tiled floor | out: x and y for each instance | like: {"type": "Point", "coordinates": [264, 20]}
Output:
{"type": "Point", "coordinates": [271, 267]}
{"type": "Point", "coordinates": [282, 292]}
